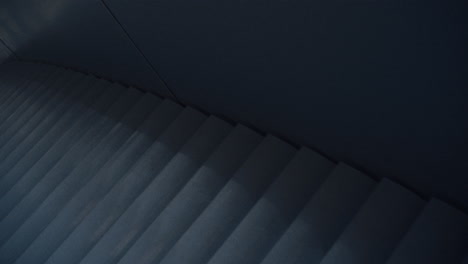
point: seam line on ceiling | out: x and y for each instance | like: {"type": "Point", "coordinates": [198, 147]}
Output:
{"type": "Point", "coordinates": [139, 50]}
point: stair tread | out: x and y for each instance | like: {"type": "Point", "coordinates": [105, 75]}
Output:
{"type": "Point", "coordinates": [10, 85]}
{"type": "Point", "coordinates": [32, 97]}
{"type": "Point", "coordinates": [57, 139]}
{"type": "Point", "coordinates": [19, 74]}
{"type": "Point", "coordinates": [90, 135]}
{"type": "Point", "coordinates": [323, 218]}
{"type": "Point", "coordinates": [94, 225]}
{"type": "Point", "coordinates": [378, 226]}
{"type": "Point", "coordinates": [85, 127]}
{"type": "Point", "coordinates": [232, 203]}
{"type": "Point", "coordinates": [95, 172]}
{"type": "Point", "coordinates": [29, 94]}
{"type": "Point", "coordinates": [17, 88]}
{"type": "Point", "coordinates": [275, 210]}
{"type": "Point", "coordinates": [158, 193]}
{"type": "Point", "coordinates": [46, 127]}
{"type": "Point", "coordinates": [52, 109]}
{"type": "Point", "coordinates": [31, 184]}
{"type": "Point", "coordinates": [12, 73]}
{"type": "Point", "coordinates": [7, 89]}
{"type": "Point", "coordinates": [41, 204]}
{"type": "Point", "coordinates": [439, 235]}
{"type": "Point", "coordinates": [21, 91]}
{"type": "Point", "coordinates": [194, 197]}
{"type": "Point", "coordinates": [85, 200]}
{"type": "Point", "coordinates": [25, 95]}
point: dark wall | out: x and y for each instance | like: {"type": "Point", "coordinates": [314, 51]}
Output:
{"type": "Point", "coordinates": [80, 34]}
{"type": "Point", "coordinates": [379, 84]}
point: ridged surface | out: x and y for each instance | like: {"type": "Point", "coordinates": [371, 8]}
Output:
{"type": "Point", "coordinates": [93, 172]}
{"type": "Point", "coordinates": [323, 219]}
{"type": "Point", "coordinates": [377, 227]}
{"type": "Point", "coordinates": [439, 235]}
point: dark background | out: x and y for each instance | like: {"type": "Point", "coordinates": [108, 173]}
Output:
{"type": "Point", "coordinates": [379, 84]}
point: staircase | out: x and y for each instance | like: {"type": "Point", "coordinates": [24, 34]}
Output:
{"type": "Point", "coordinates": [93, 172]}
